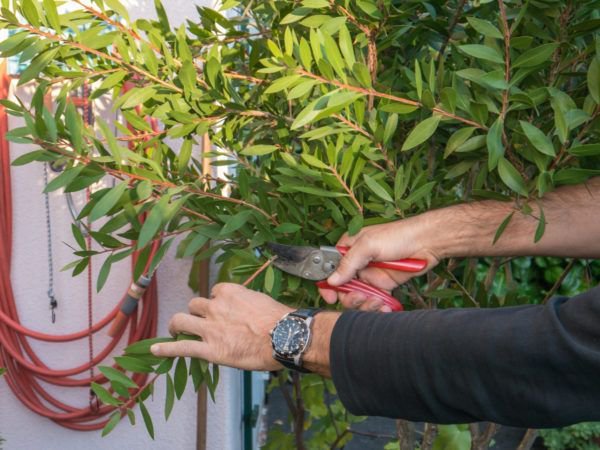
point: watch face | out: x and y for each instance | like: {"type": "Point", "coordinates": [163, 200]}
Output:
{"type": "Point", "coordinates": [289, 336]}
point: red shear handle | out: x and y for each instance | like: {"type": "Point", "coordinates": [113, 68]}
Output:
{"type": "Point", "coordinates": [402, 265]}
{"type": "Point", "coordinates": [367, 289]}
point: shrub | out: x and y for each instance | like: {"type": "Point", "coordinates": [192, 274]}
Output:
{"type": "Point", "coordinates": [330, 114]}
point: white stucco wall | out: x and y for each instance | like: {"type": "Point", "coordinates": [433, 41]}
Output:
{"type": "Point", "coordinates": [22, 429]}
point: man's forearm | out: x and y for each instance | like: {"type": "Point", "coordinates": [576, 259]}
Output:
{"type": "Point", "coordinates": [572, 215]}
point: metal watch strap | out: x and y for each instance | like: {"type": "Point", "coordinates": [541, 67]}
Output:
{"type": "Point", "coordinates": [303, 313]}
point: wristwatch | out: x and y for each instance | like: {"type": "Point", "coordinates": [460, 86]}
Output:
{"type": "Point", "coordinates": [291, 337]}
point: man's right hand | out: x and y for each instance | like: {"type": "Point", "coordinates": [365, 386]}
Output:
{"type": "Point", "coordinates": [386, 242]}
{"type": "Point", "coordinates": [572, 215]}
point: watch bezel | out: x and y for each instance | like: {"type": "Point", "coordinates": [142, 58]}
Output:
{"type": "Point", "coordinates": [305, 340]}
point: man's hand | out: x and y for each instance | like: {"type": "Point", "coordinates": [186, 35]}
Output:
{"type": "Point", "coordinates": [386, 242]}
{"type": "Point", "coordinates": [571, 216]}
{"type": "Point", "coordinates": [233, 326]}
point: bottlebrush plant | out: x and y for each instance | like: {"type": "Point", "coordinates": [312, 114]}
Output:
{"type": "Point", "coordinates": [331, 115]}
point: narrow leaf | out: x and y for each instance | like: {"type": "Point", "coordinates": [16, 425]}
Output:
{"type": "Point", "coordinates": [423, 131]}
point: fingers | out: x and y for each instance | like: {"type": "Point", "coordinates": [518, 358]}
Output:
{"type": "Point", "coordinates": [186, 324]}
{"type": "Point", "coordinates": [328, 295]}
{"type": "Point", "coordinates": [194, 349]}
{"type": "Point", "coordinates": [199, 306]}
{"type": "Point", "coordinates": [355, 259]}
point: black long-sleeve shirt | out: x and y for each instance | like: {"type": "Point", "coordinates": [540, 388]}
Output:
{"type": "Point", "coordinates": [529, 366]}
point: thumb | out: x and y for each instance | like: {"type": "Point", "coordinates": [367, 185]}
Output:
{"type": "Point", "coordinates": [354, 260]}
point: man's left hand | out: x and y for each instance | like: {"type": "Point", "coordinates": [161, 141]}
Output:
{"type": "Point", "coordinates": [233, 326]}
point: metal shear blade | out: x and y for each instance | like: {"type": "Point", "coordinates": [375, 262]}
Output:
{"type": "Point", "coordinates": [311, 263]}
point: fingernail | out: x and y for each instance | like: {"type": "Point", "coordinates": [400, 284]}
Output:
{"type": "Point", "coordinates": [385, 309]}
{"type": "Point", "coordinates": [155, 350]}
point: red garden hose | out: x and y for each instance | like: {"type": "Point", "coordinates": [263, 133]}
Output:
{"type": "Point", "coordinates": [25, 369]}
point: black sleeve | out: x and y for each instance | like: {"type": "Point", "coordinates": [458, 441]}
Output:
{"type": "Point", "coordinates": [530, 366]}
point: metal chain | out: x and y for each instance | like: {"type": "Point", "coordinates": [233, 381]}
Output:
{"type": "Point", "coordinates": [51, 297]}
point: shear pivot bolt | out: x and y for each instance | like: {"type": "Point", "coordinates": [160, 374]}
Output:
{"type": "Point", "coordinates": [317, 259]}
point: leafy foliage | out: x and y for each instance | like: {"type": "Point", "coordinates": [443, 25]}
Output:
{"type": "Point", "coordinates": [330, 115]}
{"type": "Point", "coordinates": [583, 436]}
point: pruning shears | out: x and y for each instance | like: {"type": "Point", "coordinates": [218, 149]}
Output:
{"type": "Point", "coordinates": [317, 263]}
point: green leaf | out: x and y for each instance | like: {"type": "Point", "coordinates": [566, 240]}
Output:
{"type": "Point", "coordinates": [108, 201]}
{"type": "Point", "coordinates": [452, 437]}
{"type": "Point", "coordinates": [147, 419]}
{"type": "Point", "coordinates": [311, 190]}
{"type": "Point", "coordinates": [398, 108]}
{"type": "Point", "coordinates": [482, 52]}
{"type": "Point", "coordinates": [585, 150]}
{"type": "Point", "coordinates": [494, 143]}
{"type": "Point", "coordinates": [27, 158]}
{"type": "Point", "coordinates": [502, 227]}
{"type": "Point", "coordinates": [115, 418]}
{"type": "Point", "coordinates": [535, 56]}
{"type": "Point", "coordinates": [282, 83]}
{"type": "Point", "coordinates": [180, 378]}
{"type": "Point", "coordinates": [143, 347]}
{"type": "Point", "coordinates": [370, 8]}
{"type": "Point", "coordinates": [287, 227]}
{"type": "Point", "coordinates": [355, 225]}
{"type": "Point", "coordinates": [421, 192]}
{"type": "Point", "coordinates": [296, 15]}
{"type": "Point", "coordinates": [258, 150]}
{"type": "Point", "coordinates": [593, 79]}
{"type": "Point", "coordinates": [132, 364]}
{"type": "Point", "coordinates": [117, 7]}
{"type": "Point", "coordinates": [187, 76]}
{"type": "Point", "coordinates": [185, 153]}
{"type": "Point", "coordinates": [74, 126]}
{"type": "Point", "coordinates": [235, 222]}
{"type": "Point", "coordinates": [423, 131]}
{"type": "Point", "coordinates": [116, 375]}
{"type": "Point", "coordinates": [153, 222]}
{"type": "Point", "coordinates": [390, 128]}
{"type": "Point", "coordinates": [103, 274]}
{"type": "Point", "coordinates": [538, 139]}
{"type": "Point", "coordinates": [418, 79]}
{"type": "Point", "coordinates": [112, 80]}
{"type": "Point", "coordinates": [135, 97]}
{"type": "Point", "coordinates": [63, 179]}
{"type": "Point", "coordinates": [346, 46]}
{"type": "Point", "coordinates": [37, 65]}
{"type": "Point", "coordinates": [511, 177]}
{"type": "Point", "coordinates": [301, 89]}
{"type": "Point", "coordinates": [541, 228]}
{"type": "Point", "coordinates": [104, 395]}
{"type": "Point", "coordinates": [314, 161]}
{"type": "Point", "coordinates": [378, 189]}
{"type": "Point", "coordinates": [30, 12]}
{"type": "Point", "coordinates": [269, 282]}
{"type": "Point", "coordinates": [170, 397]}
{"type": "Point", "coordinates": [458, 138]}
{"type": "Point", "coordinates": [484, 27]}
{"type": "Point", "coordinates": [52, 14]}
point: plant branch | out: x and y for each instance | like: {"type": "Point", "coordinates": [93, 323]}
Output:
{"type": "Point", "coordinates": [262, 268]}
{"type": "Point", "coordinates": [394, 98]}
{"type": "Point", "coordinates": [346, 188]}
{"type": "Point", "coordinates": [559, 281]}
{"type": "Point", "coordinates": [506, 35]}
{"type": "Point", "coordinates": [455, 19]}
{"type": "Point", "coordinates": [86, 49]}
